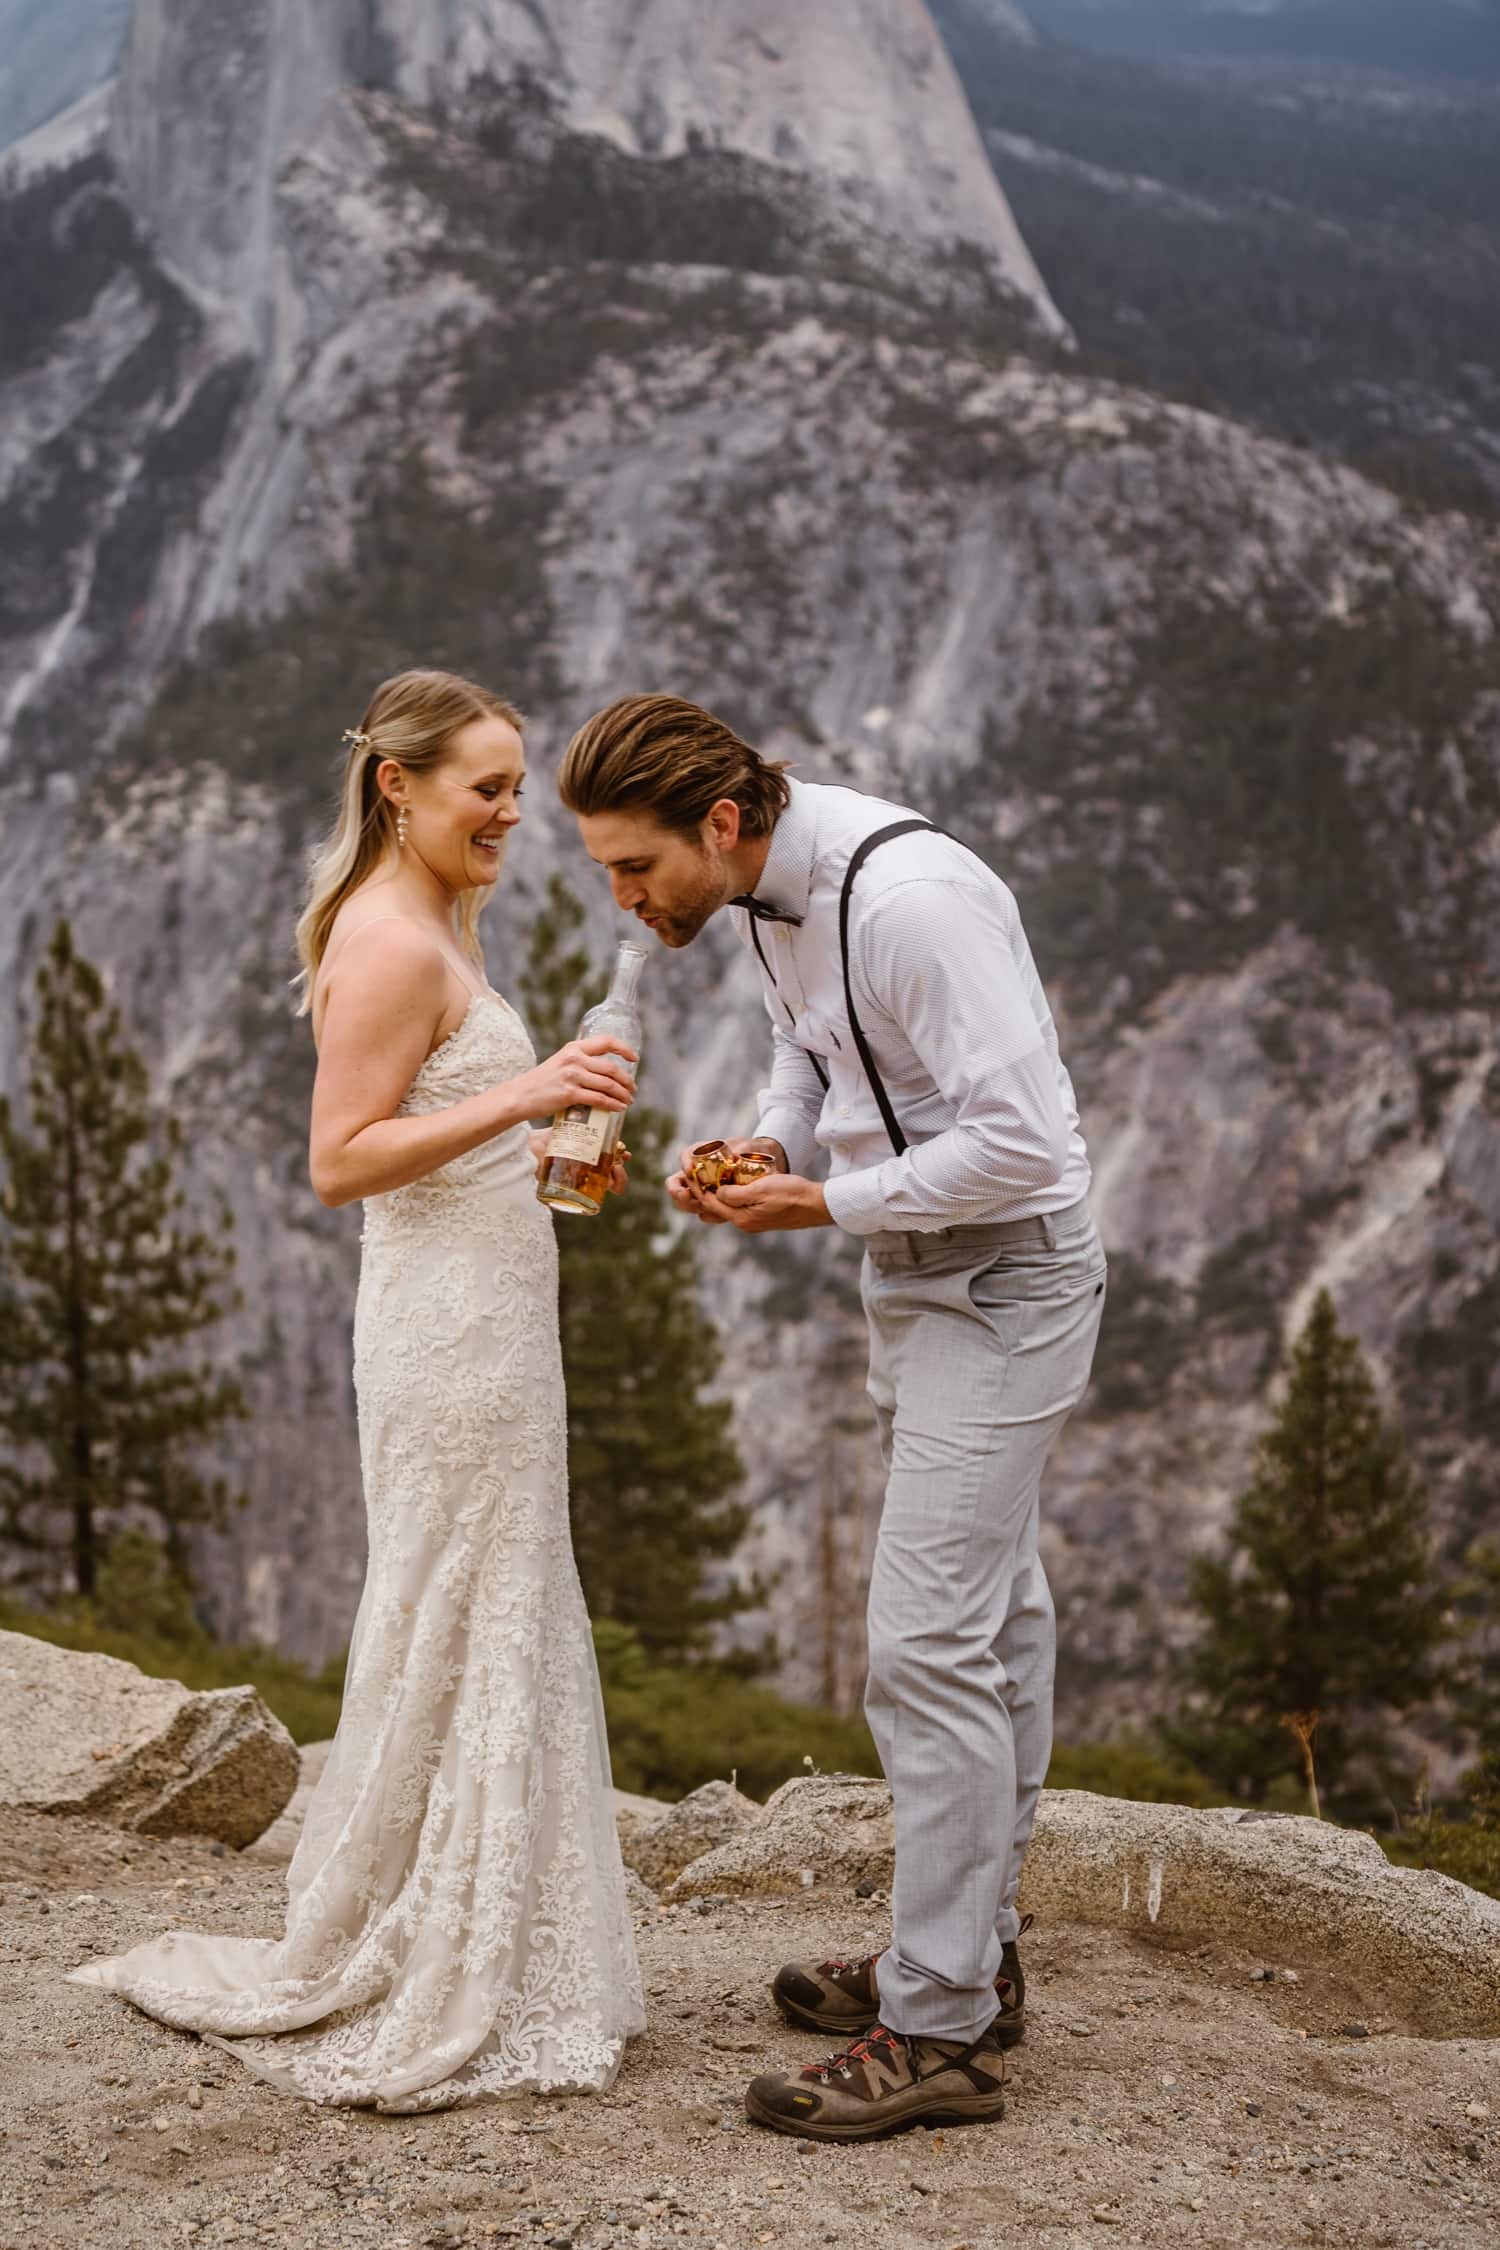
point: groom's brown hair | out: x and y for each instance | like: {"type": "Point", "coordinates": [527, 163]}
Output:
{"type": "Point", "coordinates": [662, 755]}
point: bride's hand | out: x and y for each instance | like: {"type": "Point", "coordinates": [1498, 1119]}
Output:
{"type": "Point", "coordinates": [619, 1178]}
{"type": "Point", "coordinates": [577, 1076]}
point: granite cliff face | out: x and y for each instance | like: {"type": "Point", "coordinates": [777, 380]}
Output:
{"type": "Point", "coordinates": [456, 379]}
{"type": "Point", "coordinates": [855, 98]}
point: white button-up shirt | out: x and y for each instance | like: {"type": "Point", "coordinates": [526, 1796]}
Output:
{"type": "Point", "coordinates": [951, 1004]}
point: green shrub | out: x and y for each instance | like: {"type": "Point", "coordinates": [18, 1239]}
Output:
{"type": "Point", "coordinates": [1469, 1850]}
{"type": "Point", "coordinates": [138, 1591]}
{"type": "Point", "coordinates": [672, 1728]}
{"type": "Point", "coordinates": [306, 1702]}
{"type": "Point", "coordinates": [64, 236]}
{"type": "Point", "coordinates": [1131, 1767]}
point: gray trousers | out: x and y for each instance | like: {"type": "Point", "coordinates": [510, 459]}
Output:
{"type": "Point", "coordinates": [981, 1341]}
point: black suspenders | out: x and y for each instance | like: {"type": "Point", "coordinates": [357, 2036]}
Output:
{"type": "Point", "coordinates": [867, 1059]}
{"type": "Point", "coordinates": [815, 1060]}
{"type": "Point", "coordinates": [877, 1087]}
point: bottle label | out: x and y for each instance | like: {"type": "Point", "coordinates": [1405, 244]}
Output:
{"type": "Point", "coordinates": [580, 1134]}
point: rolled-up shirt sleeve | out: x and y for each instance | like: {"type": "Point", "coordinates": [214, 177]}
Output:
{"type": "Point", "coordinates": [789, 1108]}
{"type": "Point", "coordinates": [939, 958]}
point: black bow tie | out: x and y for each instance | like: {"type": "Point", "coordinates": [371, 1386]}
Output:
{"type": "Point", "coordinates": [758, 910]}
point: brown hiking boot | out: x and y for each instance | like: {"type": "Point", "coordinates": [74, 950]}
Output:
{"type": "Point", "coordinates": [882, 2084]}
{"type": "Point", "coordinates": [838, 1996]}
{"type": "Point", "coordinates": [844, 1997]}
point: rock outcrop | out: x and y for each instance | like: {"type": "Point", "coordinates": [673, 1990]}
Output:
{"type": "Point", "coordinates": [276, 1844]}
{"type": "Point", "coordinates": [1286, 1887]}
{"type": "Point", "coordinates": [659, 1841]}
{"type": "Point", "coordinates": [87, 1734]}
{"type": "Point", "coordinates": [818, 1828]}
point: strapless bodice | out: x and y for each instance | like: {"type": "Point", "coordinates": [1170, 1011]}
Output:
{"type": "Point", "coordinates": [489, 1046]}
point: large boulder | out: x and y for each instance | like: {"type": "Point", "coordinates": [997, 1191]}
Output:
{"type": "Point", "coordinates": [640, 1897]}
{"type": "Point", "coordinates": [87, 1734]}
{"type": "Point", "coordinates": [659, 1841]}
{"type": "Point", "coordinates": [278, 1842]}
{"type": "Point", "coordinates": [819, 1828]}
{"type": "Point", "coordinates": [1283, 1886]}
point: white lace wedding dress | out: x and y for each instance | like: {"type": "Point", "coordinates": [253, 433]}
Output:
{"type": "Point", "coordinates": [457, 1924]}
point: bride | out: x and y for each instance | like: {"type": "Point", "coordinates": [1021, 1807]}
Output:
{"type": "Point", "coordinates": [457, 1923]}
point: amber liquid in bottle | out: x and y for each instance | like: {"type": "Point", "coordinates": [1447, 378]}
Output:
{"type": "Point", "coordinates": [568, 1184]}
{"type": "Point", "coordinates": [580, 1153]}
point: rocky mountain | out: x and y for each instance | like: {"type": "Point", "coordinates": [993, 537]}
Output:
{"type": "Point", "coordinates": [856, 99]}
{"type": "Point", "coordinates": [1307, 245]}
{"type": "Point", "coordinates": [1457, 37]}
{"type": "Point", "coordinates": [450, 366]}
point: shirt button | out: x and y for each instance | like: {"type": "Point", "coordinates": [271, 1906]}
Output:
{"type": "Point", "coordinates": [843, 1109]}
{"type": "Point", "coordinates": [783, 935]}
{"type": "Point", "coordinates": [842, 1149]}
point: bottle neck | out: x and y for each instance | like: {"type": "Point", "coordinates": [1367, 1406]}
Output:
{"type": "Point", "coordinates": [623, 985]}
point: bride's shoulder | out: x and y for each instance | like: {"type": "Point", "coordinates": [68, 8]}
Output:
{"type": "Point", "coordinates": [364, 928]}
{"type": "Point", "coordinates": [374, 951]}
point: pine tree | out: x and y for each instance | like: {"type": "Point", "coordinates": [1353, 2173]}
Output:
{"type": "Point", "coordinates": [651, 1463]}
{"type": "Point", "coordinates": [1477, 1686]}
{"type": "Point", "coordinates": [103, 1284]}
{"type": "Point", "coordinates": [1326, 1602]}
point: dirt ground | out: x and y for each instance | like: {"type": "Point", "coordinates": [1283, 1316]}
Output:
{"type": "Point", "coordinates": [1162, 2097]}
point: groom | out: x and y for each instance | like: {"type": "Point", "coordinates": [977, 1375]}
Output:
{"type": "Point", "coordinates": [914, 1049]}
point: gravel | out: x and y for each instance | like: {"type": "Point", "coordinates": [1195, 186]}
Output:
{"type": "Point", "coordinates": [1199, 2110]}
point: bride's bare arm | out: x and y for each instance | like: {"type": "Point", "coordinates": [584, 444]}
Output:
{"type": "Point", "coordinates": [381, 1018]}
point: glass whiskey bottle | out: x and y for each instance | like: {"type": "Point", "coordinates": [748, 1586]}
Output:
{"type": "Point", "coordinates": [576, 1164]}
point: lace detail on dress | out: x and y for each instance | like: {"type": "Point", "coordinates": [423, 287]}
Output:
{"type": "Point", "coordinates": [457, 1923]}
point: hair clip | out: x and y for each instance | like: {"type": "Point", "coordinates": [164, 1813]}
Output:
{"type": "Point", "coordinates": [356, 738]}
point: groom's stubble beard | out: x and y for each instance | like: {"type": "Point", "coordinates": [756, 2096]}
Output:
{"type": "Point", "coordinates": [695, 903]}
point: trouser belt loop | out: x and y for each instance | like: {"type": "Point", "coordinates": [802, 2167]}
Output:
{"type": "Point", "coordinates": [909, 1246]}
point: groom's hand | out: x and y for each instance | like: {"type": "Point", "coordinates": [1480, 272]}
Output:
{"type": "Point", "coordinates": [688, 1196]}
{"type": "Point", "coordinates": [774, 1205]}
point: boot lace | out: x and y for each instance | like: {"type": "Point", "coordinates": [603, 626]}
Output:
{"type": "Point", "coordinates": [847, 1968]}
{"type": "Point", "coordinates": [857, 2052]}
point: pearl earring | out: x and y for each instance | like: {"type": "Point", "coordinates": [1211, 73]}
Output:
{"type": "Point", "coordinates": [401, 828]}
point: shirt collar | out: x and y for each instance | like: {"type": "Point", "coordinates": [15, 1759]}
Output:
{"type": "Point", "coordinates": [786, 878]}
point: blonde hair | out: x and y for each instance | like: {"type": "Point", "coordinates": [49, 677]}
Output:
{"type": "Point", "coordinates": [662, 755]}
{"type": "Point", "coordinates": [411, 718]}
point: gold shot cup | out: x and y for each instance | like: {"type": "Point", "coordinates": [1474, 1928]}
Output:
{"type": "Point", "coordinates": [712, 1166]}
